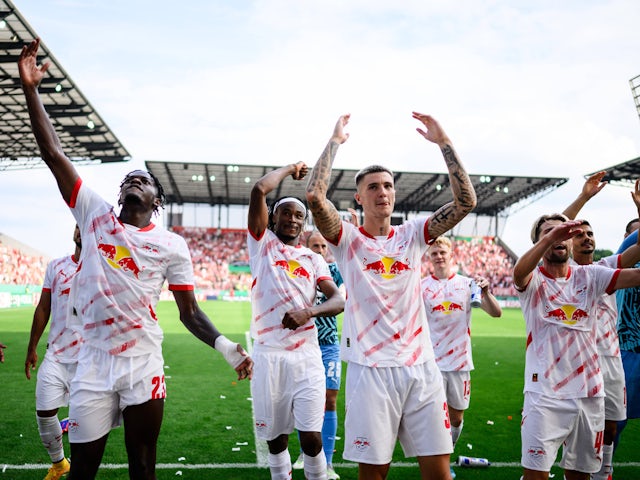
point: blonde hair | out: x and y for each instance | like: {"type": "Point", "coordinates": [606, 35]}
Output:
{"type": "Point", "coordinates": [442, 242]}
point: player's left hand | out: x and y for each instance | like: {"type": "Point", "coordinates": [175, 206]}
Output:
{"type": "Point", "coordinates": [245, 369]}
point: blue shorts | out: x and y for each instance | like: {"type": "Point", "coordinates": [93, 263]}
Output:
{"type": "Point", "coordinates": [631, 364]}
{"type": "Point", "coordinates": [332, 365]}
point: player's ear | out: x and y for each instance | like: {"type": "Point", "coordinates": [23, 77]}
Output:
{"type": "Point", "coordinates": [357, 198]}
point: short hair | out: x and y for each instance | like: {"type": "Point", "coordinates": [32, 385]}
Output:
{"type": "Point", "coordinates": [583, 222]}
{"type": "Point", "coordinates": [442, 242]}
{"type": "Point", "coordinates": [159, 189]}
{"type": "Point", "coordinates": [535, 231]}
{"type": "Point", "coordinates": [628, 229]}
{"type": "Point", "coordinates": [371, 169]}
{"type": "Point", "coordinates": [313, 232]}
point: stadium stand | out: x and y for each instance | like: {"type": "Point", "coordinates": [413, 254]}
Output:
{"type": "Point", "coordinates": [17, 267]}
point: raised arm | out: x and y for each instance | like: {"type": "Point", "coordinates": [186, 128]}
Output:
{"type": "Point", "coordinates": [529, 260]}
{"type": "Point", "coordinates": [590, 189]}
{"type": "Point", "coordinates": [50, 149]}
{"type": "Point", "coordinates": [258, 210]}
{"type": "Point", "coordinates": [464, 196]}
{"type": "Point", "coordinates": [325, 215]}
{"type": "Point", "coordinates": [40, 320]}
{"type": "Point", "coordinates": [631, 255]}
{"type": "Point", "coordinates": [202, 328]}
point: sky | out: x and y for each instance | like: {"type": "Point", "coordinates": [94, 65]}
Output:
{"type": "Point", "coordinates": [527, 88]}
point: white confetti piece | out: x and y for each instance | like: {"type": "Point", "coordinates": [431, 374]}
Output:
{"type": "Point", "coordinates": [469, 446]}
{"type": "Point", "coordinates": [489, 422]}
{"type": "Point", "coordinates": [242, 443]}
{"type": "Point", "coordinates": [167, 367]}
{"type": "Point", "coordinates": [228, 427]}
{"type": "Point", "coordinates": [222, 397]}
{"type": "Point", "coordinates": [4, 469]}
{"type": "Point", "coordinates": [235, 449]}
{"type": "Point", "coordinates": [181, 459]}
{"type": "Point", "coordinates": [179, 472]}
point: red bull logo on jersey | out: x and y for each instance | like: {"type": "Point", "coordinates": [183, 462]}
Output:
{"type": "Point", "coordinates": [293, 268]}
{"type": "Point", "coordinates": [567, 314]}
{"type": "Point", "coordinates": [447, 307]}
{"type": "Point", "coordinates": [119, 257]}
{"type": "Point", "coordinates": [386, 267]}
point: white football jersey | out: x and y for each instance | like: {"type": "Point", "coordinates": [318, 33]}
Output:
{"type": "Point", "coordinates": [120, 277]}
{"type": "Point", "coordinates": [284, 278]}
{"type": "Point", "coordinates": [448, 305]}
{"type": "Point", "coordinates": [62, 343]}
{"type": "Point", "coordinates": [384, 321]}
{"type": "Point", "coordinates": [561, 316]}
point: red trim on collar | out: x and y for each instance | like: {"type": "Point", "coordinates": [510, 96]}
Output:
{"type": "Point", "coordinates": [366, 234]}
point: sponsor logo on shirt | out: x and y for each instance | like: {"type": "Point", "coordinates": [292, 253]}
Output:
{"type": "Point", "coordinates": [447, 307]}
{"type": "Point", "coordinates": [293, 268]}
{"type": "Point", "coordinates": [119, 257]}
{"type": "Point", "coordinates": [386, 267]}
{"type": "Point", "coordinates": [567, 314]}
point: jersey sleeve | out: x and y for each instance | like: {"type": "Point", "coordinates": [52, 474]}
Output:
{"type": "Point", "coordinates": [180, 269]}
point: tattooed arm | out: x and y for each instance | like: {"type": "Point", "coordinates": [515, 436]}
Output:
{"type": "Point", "coordinates": [464, 196]}
{"type": "Point", "coordinates": [325, 214]}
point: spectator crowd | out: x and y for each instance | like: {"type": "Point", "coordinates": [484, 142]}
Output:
{"type": "Point", "coordinates": [221, 261]}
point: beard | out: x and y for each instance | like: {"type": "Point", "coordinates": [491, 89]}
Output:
{"type": "Point", "coordinates": [558, 256]}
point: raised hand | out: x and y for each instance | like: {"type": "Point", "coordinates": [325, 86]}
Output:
{"type": "Point", "coordinates": [30, 74]}
{"type": "Point", "coordinates": [594, 184]}
{"type": "Point", "coordinates": [434, 132]}
{"type": "Point", "coordinates": [301, 171]}
{"type": "Point", "coordinates": [339, 136]}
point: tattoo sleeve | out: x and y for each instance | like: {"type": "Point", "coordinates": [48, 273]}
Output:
{"type": "Point", "coordinates": [464, 196]}
{"type": "Point", "coordinates": [325, 214]}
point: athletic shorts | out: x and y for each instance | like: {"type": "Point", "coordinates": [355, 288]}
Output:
{"type": "Point", "coordinates": [457, 388]}
{"type": "Point", "coordinates": [576, 424]}
{"type": "Point", "coordinates": [615, 402]}
{"type": "Point", "coordinates": [332, 365]}
{"type": "Point", "coordinates": [384, 404]}
{"type": "Point", "coordinates": [105, 385]}
{"type": "Point", "coordinates": [52, 384]}
{"type": "Point", "coordinates": [631, 364]}
{"type": "Point", "coordinates": [288, 391]}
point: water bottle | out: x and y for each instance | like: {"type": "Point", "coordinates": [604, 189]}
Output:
{"type": "Point", "coordinates": [473, 462]}
{"type": "Point", "coordinates": [476, 295]}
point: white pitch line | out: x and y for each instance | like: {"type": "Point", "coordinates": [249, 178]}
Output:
{"type": "Point", "coordinates": [227, 466]}
{"type": "Point", "coordinates": [262, 451]}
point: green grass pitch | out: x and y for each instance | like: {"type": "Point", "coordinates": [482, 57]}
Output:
{"type": "Point", "coordinates": [207, 430]}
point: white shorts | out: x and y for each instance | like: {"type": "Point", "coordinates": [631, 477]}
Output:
{"type": "Point", "coordinates": [615, 402]}
{"type": "Point", "coordinates": [576, 424]}
{"type": "Point", "coordinates": [288, 390]}
{"type": "Point", "coordinates": [388, 403]}
{"type": "Point", "coordinates": [457, 388]}
{"type": "Point", "coordinates": [52, 384]}
{"type": "Point", "coordinates": [105, 385]}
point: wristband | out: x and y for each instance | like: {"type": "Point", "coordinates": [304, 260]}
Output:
{"type": "Point", "coordinates": [229, 351]}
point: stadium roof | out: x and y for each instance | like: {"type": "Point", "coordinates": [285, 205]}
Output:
{"type": "Point", "coordinates": [625, 173]}
{"type": "Point", "coordinates": [85, 137]}
{"type": "Point", "coordinates": [226, 184]}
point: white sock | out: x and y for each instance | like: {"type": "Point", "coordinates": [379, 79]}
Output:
{"type": "Point", "coordinates": [607, 460]}
{"type": "Point", "coordinates": [455, 432]}
{"type": "Point", "coordinates": [280, 465]}
{"type": "Point", "coordinates": [315, 468]}
{"type": "Point", "coordinates": [51, 436]}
